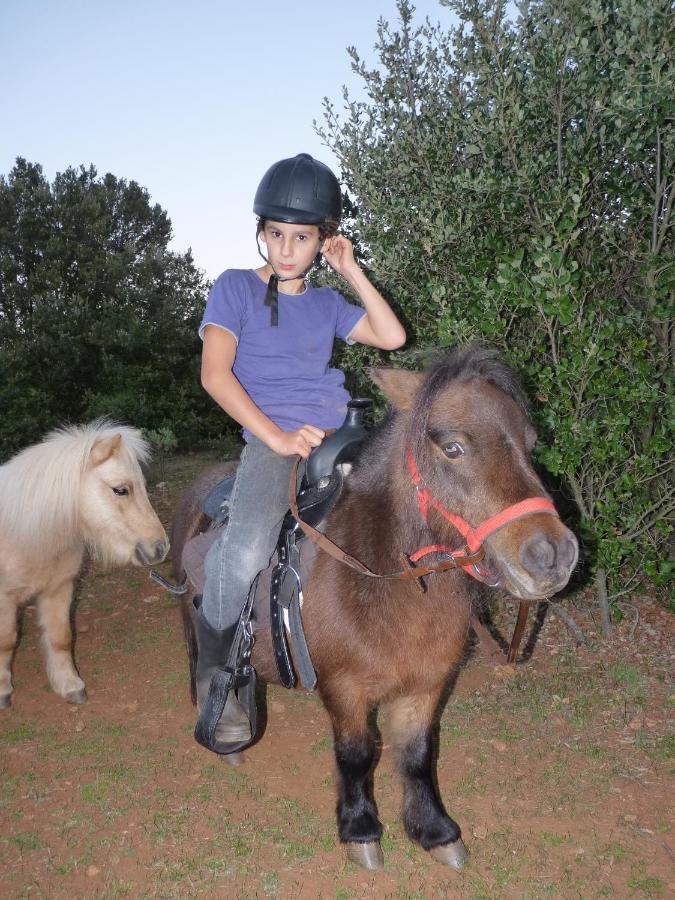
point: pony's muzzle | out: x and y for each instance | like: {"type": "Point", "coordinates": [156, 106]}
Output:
{"type": "Point", "coordinates": [151, 554]}
{"type": "Point", "coordinates": [550, 558]}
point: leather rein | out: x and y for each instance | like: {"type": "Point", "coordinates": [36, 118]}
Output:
{"type": "Point", "coordinates": [467, 557]}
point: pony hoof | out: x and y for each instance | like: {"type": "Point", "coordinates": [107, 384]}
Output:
{"type": "Point", "coordinates": [76, 696]}
{"type": "Point", "coordinates": [233, 759]}
{"type": "Point", "coordinates": [5, 701]}
{"type": "Point", "coordinates": [368, 855]}
{"type": "Point", "coordinates": [454, 855]}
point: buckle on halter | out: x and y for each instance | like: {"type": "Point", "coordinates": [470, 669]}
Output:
{"type": "Point", "coordinates": [410, 569]}
{"type": "Point", "coordinates": [470, 561]}
{"type": "Point", "coordinates": [482, 574]}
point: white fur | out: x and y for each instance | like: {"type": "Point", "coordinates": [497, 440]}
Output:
{"type": "Point", "coordinates": [39, 487]}
{"type": "Point", "coordinates": [81, 486]}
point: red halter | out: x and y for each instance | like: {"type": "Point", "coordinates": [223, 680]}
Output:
{"type": "Point", "coordinates": [474, 537]}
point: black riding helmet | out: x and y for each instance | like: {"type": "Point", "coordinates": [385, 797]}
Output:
{"type": "Point", "coordinates": [301, 191]}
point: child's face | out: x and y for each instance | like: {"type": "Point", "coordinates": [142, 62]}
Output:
{"type": "Point", "coordinates": [291, 248]}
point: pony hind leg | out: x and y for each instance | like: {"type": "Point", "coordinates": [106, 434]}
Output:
{"type": "Point", "coordinates": [424, 817]}
{"type": "Point", "coordinates": [355, 750]}
{"type": "Point", "coordinates": [57, 639]}
{"type": "Point", "coordinates": [8, 638]}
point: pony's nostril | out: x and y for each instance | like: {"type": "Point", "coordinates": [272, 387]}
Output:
{"type": "Point", "coordinates": [148, 554]}
{"type": "Point", "coordinates": [538, 554]}
{"type": "Point", "coordinates": [161, 549]}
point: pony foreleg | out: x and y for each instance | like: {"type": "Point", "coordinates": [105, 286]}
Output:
{"type": "Point", "coordinates": [57, 638]}
{"type": "Point", "coordinates": [355, 751]}
{"type": "Point", "coordinates": [424, 817]}
{"type": "Point", "coordinates": [8, 636]}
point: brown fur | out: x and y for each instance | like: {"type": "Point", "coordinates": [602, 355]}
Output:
{"type": "Point", "coordinates": [379, 642]}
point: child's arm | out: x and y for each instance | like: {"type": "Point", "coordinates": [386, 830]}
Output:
{"type": "Point", "coordinates": [379, 327]}
{"type": "Point", "coordinates": [218, 379]}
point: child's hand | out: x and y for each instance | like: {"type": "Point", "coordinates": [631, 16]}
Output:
{"type": "Point", "coordinates": [339, 253]}
{"type": "Point", "coordinates": [301, 441]}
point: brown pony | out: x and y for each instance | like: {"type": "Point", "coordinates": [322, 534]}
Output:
{"type": "Point", "coordinates": [458, 439]}
{"type": "Point", "coordinates": [82, 487]}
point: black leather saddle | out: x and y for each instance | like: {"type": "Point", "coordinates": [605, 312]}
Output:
{"type": "Point", "coordinates": [321, 482]}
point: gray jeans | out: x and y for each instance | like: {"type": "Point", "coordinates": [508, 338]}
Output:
{"type": "Point", "coordinates": [258, 505]}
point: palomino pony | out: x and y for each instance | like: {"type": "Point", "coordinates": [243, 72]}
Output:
{"type": "Point", "coordinates": [82, 487]}
{"type": "Point", "coordinates": [455, 453]}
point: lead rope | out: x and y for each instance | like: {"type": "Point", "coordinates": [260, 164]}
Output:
{"type": "Point", "coordinates": [409, 572]}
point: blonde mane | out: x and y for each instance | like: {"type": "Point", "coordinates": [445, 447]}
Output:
{"type": "Point", "coordinates": [39, 487]}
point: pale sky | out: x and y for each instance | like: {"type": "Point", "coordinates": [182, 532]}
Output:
{"type": "Point", "coordinates": [193, 99]}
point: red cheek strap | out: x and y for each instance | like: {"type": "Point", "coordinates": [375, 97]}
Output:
{"type": "Point", "coordinates": [474, 537]}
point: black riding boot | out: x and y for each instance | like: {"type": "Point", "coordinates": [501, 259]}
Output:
{"type": "Point", "coordinates": [213, 646]}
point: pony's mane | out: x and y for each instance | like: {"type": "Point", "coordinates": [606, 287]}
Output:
{"type": "Point", "coordinates": [39, 487]}
{"type": "Point", "coordinates": [459, 364]}
{"type": "Point", "coordinates": [463, 364]}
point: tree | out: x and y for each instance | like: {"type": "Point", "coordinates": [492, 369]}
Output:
{"type": "Point", "coordinates": [513, 181]}
{"type": "Point", "coordinates": [97, 316]}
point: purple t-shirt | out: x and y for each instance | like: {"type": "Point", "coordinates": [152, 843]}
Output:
{"type": "Point", "coordinates": [284, 369]}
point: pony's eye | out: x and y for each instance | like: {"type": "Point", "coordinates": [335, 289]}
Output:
{"type": "Point", "coordinates": [453, 450]}
{"type": "Point", "coordinates": [121, 491]}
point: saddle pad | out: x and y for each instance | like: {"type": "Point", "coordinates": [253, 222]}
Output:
{"type": "Point", "coordinates": [194, 554]}
{"type": "Point", "coordinates": [216, 501]}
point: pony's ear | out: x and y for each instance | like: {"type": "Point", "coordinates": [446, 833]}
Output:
{"type": "Point", "coordinates": [104, 448]}
{"type": "Point", "coordinates": [399, 386]}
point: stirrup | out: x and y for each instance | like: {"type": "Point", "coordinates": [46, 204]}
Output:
{"type": "Point", "coordinates": [237, 673]}
{"type": "Point", "coordinates": [224, 680]}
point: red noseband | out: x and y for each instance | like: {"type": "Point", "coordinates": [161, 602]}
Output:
{"type": "Point", "coordinates": [474, 537]}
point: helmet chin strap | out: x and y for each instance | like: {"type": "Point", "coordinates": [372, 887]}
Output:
{"type": "Point", "coordinates": [272, 295]}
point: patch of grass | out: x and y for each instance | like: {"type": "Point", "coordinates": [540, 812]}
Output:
{"type": "Point", "coordinates": [79, 746]}
{"type": "Point", "coordinates": [240, 846]}
{"type": "Point", "coordinates": [242, 784]}
{"type": "Point", "coordinates": [615, 851]}
{"type": "Point", "coordinates": [220, 865]}
{"type": "Point", "coordinates": [583, 707]}
{"type": "Point", "coordinates": [25, 840]}
{"type": "Point", "coordinates": [649, 886]}
{"type": "Point", "coordinates": [662, 747]}
{"type": "Point", "coordinates": [169, 824]}
{"type": "Point", "coordinates": [8, 788]}
{"type": "Point", "coordinates": [322, 745]}
{"type": "Point", "coordinates": [630, 680]}
{"type": "Point", "coordinates": [20, 734]}
{"type": "Point", "coordinates": [66, 867]}
{"type": "Point", "coordinates": [451, 732]}
{"type": "Point", "coordinates": [556, 772]}
{"type": "Point", "coordinates": [200, 793]}
{"type": "Point", "coordinates": [118, 888]}
{"type": "Point", "coordinates": [270, 884]}
{"type": "Point", "coordinates": [468, 784]}
{"type": "Point", "coordinates": [509, 733]}
{"type": "Point", "coordinates": [113, 730]}
{"type": "Point", "coordinates": [95, 791]}
{"type": "Point", "coordinates": [177, 871]}
{"type": "Point", "coordinates": [554, 840]}
{"type": "Point", "coordinates": [117, 773]}
{"type": "Point", "coordinates": [342, 893]}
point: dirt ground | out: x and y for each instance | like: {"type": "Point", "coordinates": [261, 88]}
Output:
{"type": "Point", "coordinates": [559, 771]}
